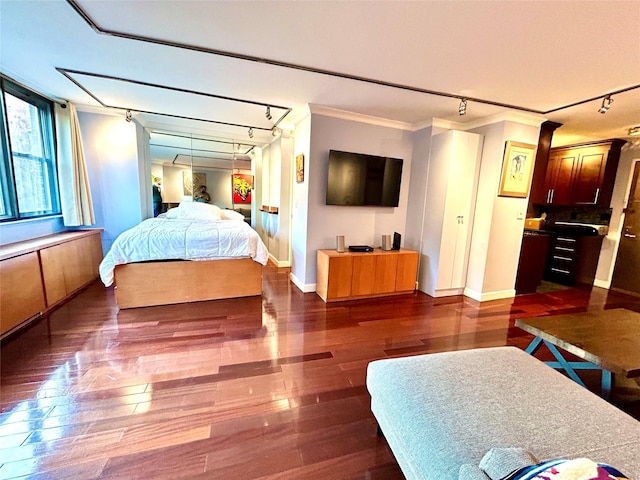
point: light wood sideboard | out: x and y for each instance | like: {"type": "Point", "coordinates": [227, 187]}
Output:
{"type": "Point", "coordinates": [352, 275]}
{"type": "Point", "coordinates": [37, 275]}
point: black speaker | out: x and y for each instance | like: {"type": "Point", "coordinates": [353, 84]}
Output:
{"type": "Point", "coordinates": [396, 241]}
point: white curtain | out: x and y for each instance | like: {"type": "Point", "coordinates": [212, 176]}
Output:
{"type": "Point", "coordinates": [75, 194]}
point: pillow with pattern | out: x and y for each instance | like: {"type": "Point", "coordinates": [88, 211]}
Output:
{"type": "Point", "coordinates": [563, 469]}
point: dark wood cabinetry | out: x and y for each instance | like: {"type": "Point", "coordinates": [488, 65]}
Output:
{"type": "Point", "coordinates": [579, 175]}
{"type": "Point", "coordinates": [573, 259]}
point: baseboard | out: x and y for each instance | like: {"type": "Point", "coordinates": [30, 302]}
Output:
{"type": "Point", "coordinates": [486, 296]}
{"type": "Point", "coordinates": [446, 292]}
{"type": "Point", "coordinates": [304, 288]}
{"type": "Point", "coordinates": [279, 263]}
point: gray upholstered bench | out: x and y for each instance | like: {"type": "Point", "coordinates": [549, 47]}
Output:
{"type": "Point", "coordinates": [441, 411]}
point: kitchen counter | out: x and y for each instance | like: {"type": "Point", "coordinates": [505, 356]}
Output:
{"type": "Point", "coordinates": [533, 258]}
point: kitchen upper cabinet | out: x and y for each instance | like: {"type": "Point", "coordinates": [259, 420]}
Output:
{"type": "Point", "coordinates": [589, 176]}
{"type": "Point", "coordinates": [559, 177]}
{"type": "Point", "coordinates": [580, 175]}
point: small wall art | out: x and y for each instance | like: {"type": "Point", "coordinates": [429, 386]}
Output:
{"type": "Point", "coordinates": [517, 168]}
{"type": "Point", "coordinates": [300, 168]}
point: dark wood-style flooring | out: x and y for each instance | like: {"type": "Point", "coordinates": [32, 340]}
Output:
{"type": "Point", "coordinates": [258, 388]}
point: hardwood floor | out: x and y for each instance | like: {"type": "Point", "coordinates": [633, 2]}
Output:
{"type": "Point", "coordinates": [257, 388]}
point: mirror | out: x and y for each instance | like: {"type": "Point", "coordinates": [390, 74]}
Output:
{"type": "Point", "coordinates": [195, 167]}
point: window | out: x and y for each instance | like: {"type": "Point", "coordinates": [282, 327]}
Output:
{"type": "Point", "coordinates": [28, 173]}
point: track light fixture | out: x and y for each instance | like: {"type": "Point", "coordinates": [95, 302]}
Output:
{"type": "Point", "coordinates": [462, 108]}
{"type": "Point", "coordinates": [128, 116]}
{"type": "Point", "coordinates": [634, 131]}
{"type": "Point", "coordinates": [268, 113]}
{"type": "Point", "coordinates": [250, 132]}
{"type": "Point", "coordinates": [606, 104]}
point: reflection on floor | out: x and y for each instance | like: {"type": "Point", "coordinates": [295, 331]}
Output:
{"type": "Point", "coordinates": [547, 286]}
{"type": "Point", "coordinates": [266, 388]}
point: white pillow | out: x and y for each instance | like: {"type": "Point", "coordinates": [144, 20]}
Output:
{"type": "Point", "coordinates": [231, 215]}
{"type": "Point", "coordinates": [195, 211]}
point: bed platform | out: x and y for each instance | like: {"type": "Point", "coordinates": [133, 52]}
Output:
{"type": "Point", "coordinates": [147, 284]}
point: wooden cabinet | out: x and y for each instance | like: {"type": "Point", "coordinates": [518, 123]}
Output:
{"type": "Point", "coordinates": [69, 266]}
{"type": "Point", "coordinates": [573, 259]}
{"type": "Point", "coordinates": [589, 177]}
{"type": "Point", "coordinates": [21, 290]}
{"type": "Point", "coordinates": [580, 175]}
{"type": "Point", "coordinates": [38, 274]}
{"type": "Point", "coordinates": [350, 275]}
{"type": "Point", "coordinates": [559, 177]}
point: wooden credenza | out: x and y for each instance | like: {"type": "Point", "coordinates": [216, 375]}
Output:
{"type": "Point", "coordinates": [37, 275]}
{"type": "Point", "coordinates": [352, 275]}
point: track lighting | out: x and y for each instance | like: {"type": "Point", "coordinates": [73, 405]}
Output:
{"type": "Point", "coordinates": [268, 113]}
{"type": "Point", "coordinates": [128, 116]}
{"type": "Point", "coordinates": [634, 130]}
{"type": "Point", "coordinates": [250, 132]}
{"type": "Point", "coordinates": [606, 104]}
{"type": "Point", "coordinates": [462, 109]}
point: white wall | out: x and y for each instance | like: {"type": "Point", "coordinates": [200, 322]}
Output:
{"type": "Point", "coordinates": [277, 179]}
{"type": "Point", "coordinates": [359, 225]}
{"type": "Point", "coordinates": [417, 190]}
{"type": "Point", "coordinates": [26, 229]}
{"type": "Point", "coordinates": [114, 173]}
{"type": "Point", "coordinates": [299, 209]}
{"type": "Point", "coordinates": [609, 251]}
{"type": "Point", "coordinates": [499, 221]}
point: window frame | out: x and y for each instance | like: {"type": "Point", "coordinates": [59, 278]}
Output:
{"type": "Point", "coordinates": [10, 211]}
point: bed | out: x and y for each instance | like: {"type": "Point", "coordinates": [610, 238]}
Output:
{"type": "Point", "coordinates": [196, 252]}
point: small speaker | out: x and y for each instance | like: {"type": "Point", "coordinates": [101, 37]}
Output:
{"type": "Point", "coordinates": [340, 243]}
{"type": "Point", "coordinates": [396, 241]}
{"type": "Point", "coordinates": [386, 242]}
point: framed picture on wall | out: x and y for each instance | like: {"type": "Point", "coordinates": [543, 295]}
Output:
{"type": "Point", "coordinates": [241, 186]}
{"type": "Point", "coordinates": [517, 168]}
{"type": "Point", "coordinates": [300, 168]}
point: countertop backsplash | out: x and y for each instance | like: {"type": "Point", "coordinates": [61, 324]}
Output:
{"type": "Point", "coordinates": [591, 215]}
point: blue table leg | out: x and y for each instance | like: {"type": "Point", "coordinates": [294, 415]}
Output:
{"type": "Point", "coordinates": [565, 365]}
{"type": "Point", "coordinates": [571, 367]}
{"type": "Point", "coordinates": [607, 383]}
{"type": "Point", "coordinates": [534, 346]}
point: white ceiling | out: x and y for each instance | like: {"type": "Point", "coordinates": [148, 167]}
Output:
{"type": "Point", "coordinates": [537, 55]}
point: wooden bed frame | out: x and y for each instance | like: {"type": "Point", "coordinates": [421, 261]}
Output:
{"type": "Point", "coordinates": [179, 281]}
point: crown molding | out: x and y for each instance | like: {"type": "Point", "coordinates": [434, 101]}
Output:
{"type": "Point", "coordinates": [530, 119]}
{"type": "Point", "coordinates": [358, 117]}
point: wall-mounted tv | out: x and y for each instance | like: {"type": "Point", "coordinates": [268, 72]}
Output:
{"type": "Point", "coordinates": [356, 179]}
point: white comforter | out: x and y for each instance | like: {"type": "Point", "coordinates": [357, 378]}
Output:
{"type": "Point", "coordinates": [172, 239]}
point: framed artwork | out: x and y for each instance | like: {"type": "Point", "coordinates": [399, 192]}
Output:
{"type": "Point", "coordinates": [300, 168]}
{"type": "Point", "coordinates": [517, 168]}
{"type": "Point", "coordinates": [241, 186]}
{"type": "Point", "coordinates": [192, 181]}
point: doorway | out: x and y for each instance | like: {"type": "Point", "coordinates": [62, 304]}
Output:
{"type": "Point", "coordinates": [626, 274]}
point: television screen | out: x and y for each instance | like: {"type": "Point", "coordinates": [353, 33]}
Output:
{"type": "Point", "coordinates": [357, 179]}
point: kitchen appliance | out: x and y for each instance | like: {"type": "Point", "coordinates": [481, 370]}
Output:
{"type": "Point", "coordinates": [579, 228]}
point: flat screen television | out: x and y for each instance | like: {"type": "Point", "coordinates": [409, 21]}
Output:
{"type": "Point", "coordinates": [356, 179]}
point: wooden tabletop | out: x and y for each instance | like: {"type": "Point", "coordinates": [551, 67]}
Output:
{"type": "Point", "coordinates": [608, 338]}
